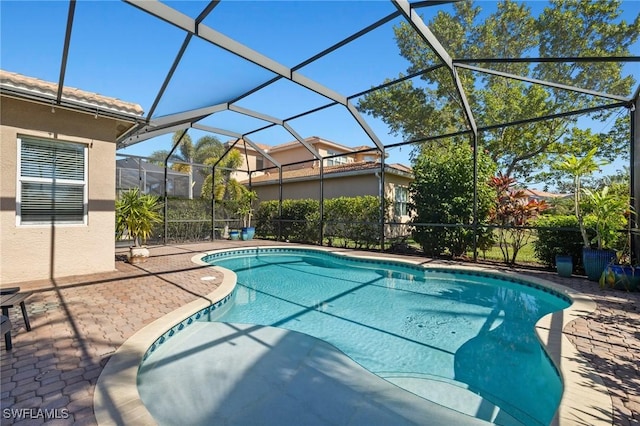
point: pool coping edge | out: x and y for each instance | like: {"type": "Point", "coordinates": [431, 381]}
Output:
{"type": "Point", "coordinates": [116, 399]}
{"type": "Point", "coordinates": [585, 398]}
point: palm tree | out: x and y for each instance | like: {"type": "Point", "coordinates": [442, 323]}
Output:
{"type": "Point", "coordinates": [225, 187]}
{"type": "Point", "coordinates": [188, 154]}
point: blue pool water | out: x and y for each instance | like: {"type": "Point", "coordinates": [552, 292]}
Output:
{"type": "Point", "coordinates": [475, 331]}
{"type": "Point", "coordinates": [426, 330]}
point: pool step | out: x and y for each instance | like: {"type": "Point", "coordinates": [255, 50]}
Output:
{"type": "Point", "coordinates": [451, 394]}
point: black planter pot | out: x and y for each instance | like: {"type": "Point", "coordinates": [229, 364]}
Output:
{"type": "Point", "coordinates": [595, 261]}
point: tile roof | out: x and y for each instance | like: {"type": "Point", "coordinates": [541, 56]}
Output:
{"type": "Point", "coordinates": [349, 168]}
{"type": "Point", "coordinates": [543, 194]}
{"type": "Point", "coordinates": [11, 80]}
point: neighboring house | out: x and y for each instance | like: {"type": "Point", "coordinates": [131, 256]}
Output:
{"type": "Point", "coordinates": [346, 180]}
{"type": "Point", "coordinates": [57, 191]}
{"type": "Point", "coordinates": [355, 173]}
{"type": "Point", "coordinates": [297, 156]}
{"type": "Point", "coordinates": [538, 195]}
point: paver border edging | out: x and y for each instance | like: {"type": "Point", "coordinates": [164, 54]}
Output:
{"type": "Point", "coordinates": [116, 399]}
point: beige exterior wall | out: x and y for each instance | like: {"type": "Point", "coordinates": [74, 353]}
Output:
{"type": "Point", "coordinates": [347, 186]}
{"type": "Point", "coordinates": [31, 252]}
{"type": "Point", "coordinates": [343, 186]}
{"type": "Point", "coordinates": [292, 155]}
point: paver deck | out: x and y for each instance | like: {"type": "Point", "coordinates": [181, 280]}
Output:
{"type": "Point", "coordinates": [79, 322]}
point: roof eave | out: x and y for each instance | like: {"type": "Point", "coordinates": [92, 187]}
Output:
{"type": "Point", "coordinates": [75, 105]}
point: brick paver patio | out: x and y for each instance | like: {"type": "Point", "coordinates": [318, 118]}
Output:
{"type": "Point", "coordinates": [79, 322]}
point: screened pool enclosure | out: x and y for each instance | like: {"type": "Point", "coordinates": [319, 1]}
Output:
{"type": "Point", "coordinates": [261, 74]}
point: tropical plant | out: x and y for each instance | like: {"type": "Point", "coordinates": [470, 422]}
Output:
{"type": "Point", "coordinates": [610, 212]}
{"type": "Point", "coordinates": [136, 214]}
{"type": "Point", "coordinates": [578, 168]}
{"type": "Point", "coordinates": [512, 211]}
{"type": "Point", "coordinates": [206, 151]}
{"type": "Point", "coordinates": [223, 186]}
{"type": "Point", "coordinates": [189, 153]}
{"type": "Point", "coordinates": [245, 206]}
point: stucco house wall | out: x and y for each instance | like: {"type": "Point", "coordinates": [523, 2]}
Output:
{"type": "Point", "coordinates": [44, 251]}
{"type": "Point", "coordinates": [339, 185]}
{"type": "Point", "coordinates": [345, 186]}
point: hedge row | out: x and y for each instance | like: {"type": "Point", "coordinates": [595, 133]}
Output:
{"type": "Point", "coordinates": [348, 221]}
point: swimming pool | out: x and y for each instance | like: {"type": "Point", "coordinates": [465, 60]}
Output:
{"type": "Point", "coordinates": [410, 325]}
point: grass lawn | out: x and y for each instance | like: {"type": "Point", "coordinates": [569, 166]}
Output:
{"type": "Point", "coordinates": [526, 254]}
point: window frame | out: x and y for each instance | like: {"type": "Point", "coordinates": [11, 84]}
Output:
{"type": "Point", "coordinates": [336, 161]}
{"type": "Point", "coordinates": [400, 206]}
{"type": "Point", "coordinates": [20, 179]}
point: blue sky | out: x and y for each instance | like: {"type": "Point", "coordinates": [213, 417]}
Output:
{"type": "Point", "coordinates": [117, 50]}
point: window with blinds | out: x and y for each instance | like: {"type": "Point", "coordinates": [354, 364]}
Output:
{"type": "Point", "coordinates": [402, 196]}
{"type": "Point", "coordinates": [52, 182]}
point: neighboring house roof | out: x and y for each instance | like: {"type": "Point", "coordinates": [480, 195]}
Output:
{"type": "Point", "coordinates": [311, 173]}
{"type": "Point", "coordinates": [312, 140]}
{"type": "Point", "coordinates": [11, 82]}
{"type": "Point", "coordinates": [535, 193]}
{"type": "Point", "coordinates": [241, 144]}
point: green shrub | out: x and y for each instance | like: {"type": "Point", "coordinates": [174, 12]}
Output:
{"type": "Point", "coordinates": [266, 219]}
{"type": "Point", "coordinates": [301, 220]}
{"type": "Point", "coordinates": [563, 241]}
{"type": "Point", "coordinates": [188, 220]}
{"type": "Point", "coordinates": [353, 220]}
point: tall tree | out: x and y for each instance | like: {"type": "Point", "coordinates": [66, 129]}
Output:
{"type": "Point", "coordinates": [430, 105]}
{"type": "Point", "coordinates": [442, 193]}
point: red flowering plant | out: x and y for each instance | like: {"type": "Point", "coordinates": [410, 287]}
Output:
{"type": "Point", "coordinates": [512, 212]}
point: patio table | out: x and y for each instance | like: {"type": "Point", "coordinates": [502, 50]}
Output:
{"type": "Point", "coordinates": [9, 300]}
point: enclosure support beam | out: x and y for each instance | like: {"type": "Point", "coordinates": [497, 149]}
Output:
{"type": "Point", "coordinates": [213, 203]}
{"type": "Point", "coordinates": [475, 197]}
{"type": "Point", "coordinates": [65, 49]}
{"type": "Point", "coordinates": [280, 204]}
{"type": "Point", "coordinates": [423, 30]}
{"type": "Point", "coordinates": [169, 75]}
{"type": "Point", "coordinates": [261, 151]}
{"type": "Point", "coordinates": [543, 82]}
{"type": "Point", "coordinates": [381, 193]}
{"type": "Point", "coordinates": [634, 119]}
{"type": "Point", "coordinates": [166, 179]}
{"type": "Point", "coordinates": [321, 203]}
{"type": "Point", "coordinates": [419, 26]}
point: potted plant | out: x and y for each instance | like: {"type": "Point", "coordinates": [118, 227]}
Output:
{"type": "Point", "coordinates": [608, 213]}
{"type": "Point", "coordinates": [624, 274]}
{"type": "Point", "coordinates": [621, 275]}
{"type": "Point", "coordinates": [564, 265]}
{"type": "Point", "coordinates": [136, 214]}
{"type": "Point", "coordinates": [245, 210]}
{"type": "Point", "coordinates": [594, 260]}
